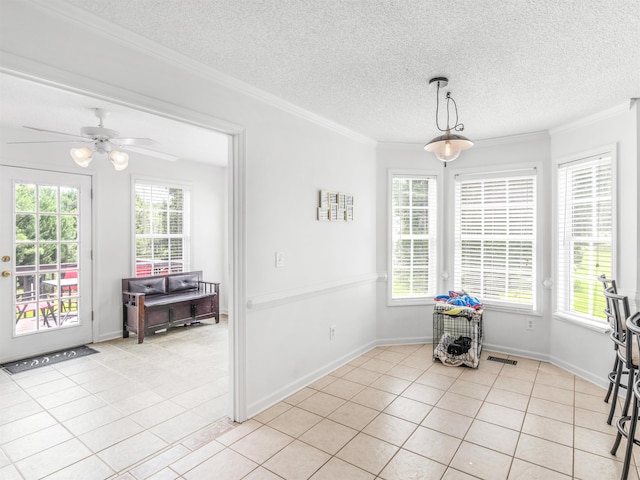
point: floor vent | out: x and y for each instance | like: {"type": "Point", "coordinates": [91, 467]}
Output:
{"type": "Point", "coordinates": [502, 360]}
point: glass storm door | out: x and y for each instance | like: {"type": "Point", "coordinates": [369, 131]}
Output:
{"type": "Point", "coordinates": [45, 253]}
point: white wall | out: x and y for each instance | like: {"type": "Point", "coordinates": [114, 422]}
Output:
{"type": "Point", "coordinates": [504, 331]}
{"type": "Point", "coordinates": [112, 222]}
{"type": "Point", "coordinates": [328, 277]}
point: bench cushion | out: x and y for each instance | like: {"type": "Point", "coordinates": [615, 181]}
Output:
{"type": "Point", "coordinates": [175, 297]}
{"type": "Point", "coordinates": [148, 286]}
{"type": "Point", "coordinates": [180, 283]}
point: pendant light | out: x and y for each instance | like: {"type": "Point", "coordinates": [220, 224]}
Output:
{"type": "Point", "coordinates": [447, 147]}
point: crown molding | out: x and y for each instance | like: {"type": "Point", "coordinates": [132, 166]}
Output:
{"type": "Point", "coordinates": [596, 117]}
{"type": "Point", "coordinates": [115, 33]}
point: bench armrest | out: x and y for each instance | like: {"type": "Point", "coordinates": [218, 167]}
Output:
{"type": "Point", "coordinates": [209, 287]}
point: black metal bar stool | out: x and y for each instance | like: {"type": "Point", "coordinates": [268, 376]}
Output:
{"type": "Point", "coordinates": [610, 286]}
{"type": "Point", "coordinates": [617, 312]}
{"type": "Point", "coordinates": [633, 338]}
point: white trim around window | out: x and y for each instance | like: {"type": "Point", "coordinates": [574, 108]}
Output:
{"type": "Point", "coordinates": [421, 277]}
{"type": "Point", "coordinates": [585, 226]}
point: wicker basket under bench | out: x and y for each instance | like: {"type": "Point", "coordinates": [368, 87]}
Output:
{"type": "Point", "coordinates": [158, 302]}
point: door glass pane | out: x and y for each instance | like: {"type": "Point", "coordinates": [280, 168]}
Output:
{"type": "Point", "coordinates": [47, 263]}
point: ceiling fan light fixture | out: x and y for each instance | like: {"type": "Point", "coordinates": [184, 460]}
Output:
{"type": "Point", "coordinates": [120, 160]}
{"type": "Point", "coordinates": [82, 156]}
{"type": "Point", "coordinates": [447, 147]}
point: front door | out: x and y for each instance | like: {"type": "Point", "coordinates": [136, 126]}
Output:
{"type": "Point", "coordinates": [45, 262]}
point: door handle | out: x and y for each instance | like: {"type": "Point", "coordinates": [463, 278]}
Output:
{"type": "Point", "coordinates": [6, 273]}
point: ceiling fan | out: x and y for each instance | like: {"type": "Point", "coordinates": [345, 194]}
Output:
{"type": "Point", "coordinates": [104, 141]}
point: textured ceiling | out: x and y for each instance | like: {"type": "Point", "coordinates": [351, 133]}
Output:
{"type": "Point", "coordinates": [514, 66]}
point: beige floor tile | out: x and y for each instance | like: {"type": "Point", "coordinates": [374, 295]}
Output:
{"type": "Point", "coordinates": [415, 362]}
{"type": "Point", "coordinates": [328, 436]}
{"type": "Point", "coordinates": [262, 444]}
{"type": "Point", "coordinates": [297, 461]}
{"type": "Point", "coordinates": [460, 404]}
{"type": "Point", "coordinates": [597, 442]}
{"type": "Point", "coordinates": [321, 404]}
{"type": "Point", "coordinates": [368, 453]}
{"type": "Point", "coordinates": [227, 465]}
{"type": "Point", "coordinates": [362, 375]}
{"type": "Point", "coordinates": [322, 382]}
{"type": "Point", "coordinates": [551, 369]}
{"type": "Point", "coordinates": [589, 466]}
{"type": "Point", "coordinates": [391, 356]}
{"type": "Point", "coordinates": [391, 429]}
{"type": "Point", "coordinates": [354, 415]}
{"type": "Point", "coordinates": [343, 388]}
{"type": "Point", "coordinates": [390, 384]}
{"type": "Point", "coordinates": [405, 349]}
{"type": "Point", "coordinates": [481, 462]}
{"type": "Point", "coordinates": [408, 409]}
{"type": "Point", "coordinates": [453, 474]}
{"type": "Point", "coordinates": [238, 432]}
{"type": "Point", "coordinates": [508, 399]}
{"type": "Point", "coordinates": [261, 473]}
{"type": "Point", "coordinates": [521, 470]}
{"type": "Point", "coordinates": [423, 393]}
{"type": "Point", "coordinates": [408, 465]}
{"type": "Point", "coordinates": [592, 402]}
{"type": "Point", "coordinates": [560, 381]}
{"type": "Point", "coordinates": [518, 373]}
{"type": "Point", "coordinates": [272, 412]}
{"type": "Point", "coordinates": [451, 423]}
{"type": "Point", "coordinates": [295, 421]}
{"type": "Point", "coordinates": [548, 429]}
{"type": "Point", "coordinates": [431, 444]}
{"type": "Point", "coordinates": [435, 380]}
{"type": "Point", "coordinates": [299, 396]}
{"type": "Point", "coordinates": [374, 398]}
{"type": "Point", "coordinates": [453, 372]}
{"type": "Point", "coordinates": [336, 469]}
{"type": "Point", "coordinates": [341, 371]}
{"type": "Point", "coordinates": [545, 453]}
{"type": "Point", "coordinates": [356, 362]}
{"type": "Point", "coordinates": [494, 437]}
{"type": "Point", "coordinates": [554, 394]}
{"type": "Point", "coordinates": [469, 389]}
{"type": "Point", "coordinates": [584, 386]}
{"type": "Point", "coordinates": [549, 409]}
{"type": "Point", "coordinates": [476, 375]}
{"type": "Point", "coordinates": [526, 363]}
{"type": "Point", "coordinates": [516, 385]}
{"type": "Point", "coordinates": [378, 365]}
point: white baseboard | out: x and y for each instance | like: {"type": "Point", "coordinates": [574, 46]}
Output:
{"type": "Point", "coordinates": [288, 390]}
{"type": "Point", "coordinates": [385, 342]}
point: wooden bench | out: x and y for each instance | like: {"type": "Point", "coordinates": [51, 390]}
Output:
{"type": "Point", "coordinates": [157, 302]}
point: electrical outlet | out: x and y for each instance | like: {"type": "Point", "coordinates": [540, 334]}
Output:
{"type": "Point", "coordinates": [279, 259]}
{"type": "Point", "coordinates": [530, 324]}
{"type": "Point", "coordinates": [332, 332]}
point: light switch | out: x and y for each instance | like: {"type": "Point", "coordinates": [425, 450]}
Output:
{"type": "Point", "coordinates": [279, 259]}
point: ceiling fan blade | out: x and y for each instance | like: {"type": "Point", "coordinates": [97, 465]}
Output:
{"type": "Point", "coordinates": [150, 153]}
{"type": "Point", "coordinates": [134, 141]}
{"type": "Point", "coordinates": [57, 133]}
{"type": "Point", "coordinates": [52, 141]}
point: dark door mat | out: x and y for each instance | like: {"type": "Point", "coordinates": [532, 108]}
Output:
{"type": "Point", "coordinates": [48, 359]}
{"type": "Point", "coordinates": [503, 360]}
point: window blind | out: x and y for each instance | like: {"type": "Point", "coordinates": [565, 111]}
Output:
{"type": "Point", "coordinates": [585, 235]}
{"type": "Point", "coordinates": [162, 229]}
{"type": "Point", "coordinates": [495, 238]}
{"type": "Point", "coordinates": [413, 236]}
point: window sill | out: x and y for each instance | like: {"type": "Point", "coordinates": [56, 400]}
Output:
{"type": "Point", "coordinates": [599, 327]}
{"type": "Point", "coordinates": [411, 302]}
{"type": "Point", "coordinates": [511, 309]}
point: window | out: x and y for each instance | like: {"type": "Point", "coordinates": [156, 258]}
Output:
{"type": "Point", "coordinates": [162, 228]}
{"type": "Point", "coordinates": [584, 235]}
{"type": "Point", "coordinates": [495, 238]}
{"type": "Point", "coordinates": [413, 237]}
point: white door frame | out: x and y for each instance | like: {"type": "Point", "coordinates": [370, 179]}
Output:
{"type": "Point", "coordinates": [236, 178]}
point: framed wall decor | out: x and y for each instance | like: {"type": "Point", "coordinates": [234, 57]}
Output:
{"type": "Point", "coordinates": [335, 206]}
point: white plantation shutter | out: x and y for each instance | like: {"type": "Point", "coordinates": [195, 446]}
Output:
{"type": "Point", "coordinates": [585, 235]}
{"type": "Point", "coordinates": [161, 228]}
{"type": "Point", "coordinates": [495, 238]}
{"type": "Point", "coordinates": [413, 236]}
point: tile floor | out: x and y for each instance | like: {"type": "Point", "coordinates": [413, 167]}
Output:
{"type": "Point", "coordinates": [390, 414]}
